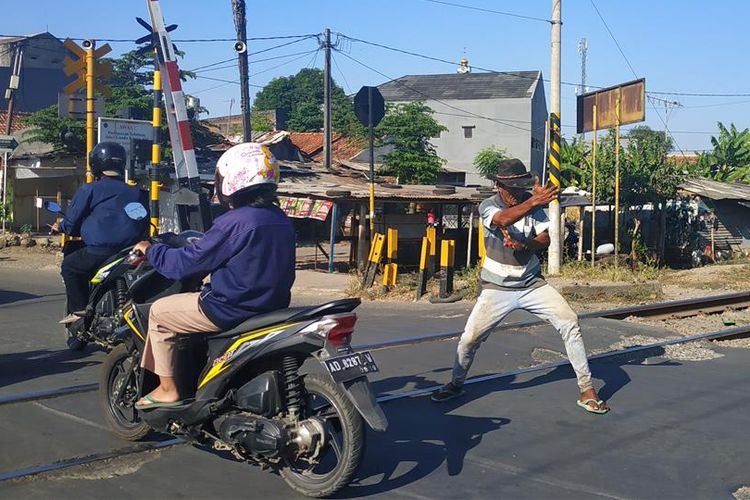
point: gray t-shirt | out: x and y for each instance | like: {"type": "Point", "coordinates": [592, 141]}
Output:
{"type": "Point", "coordinates": [505, 268]}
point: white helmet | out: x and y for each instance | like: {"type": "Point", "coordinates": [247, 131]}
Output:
{"type": "Point", "coordinates": [245, 165]}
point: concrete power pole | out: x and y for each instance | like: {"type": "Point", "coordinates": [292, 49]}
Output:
{"type": "Point", "coordinates": [583, 47]}
{"type": "Point", "coordinates": [240, 24]}
{"type": "Point", "coordinates": [327, 99]}
{"type": "Point", "coordinates": [554, 149]}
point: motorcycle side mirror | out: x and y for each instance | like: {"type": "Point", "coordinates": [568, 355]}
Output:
{"type": "Point", "coordinates": [136, 211]}
{"type": "Point", "coordinates": [53, 207]}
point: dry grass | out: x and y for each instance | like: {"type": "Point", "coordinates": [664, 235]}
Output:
{"type": "Point", "coordinates": [734, 277]}
{"type": "Point", "coordinates": [585, 272]}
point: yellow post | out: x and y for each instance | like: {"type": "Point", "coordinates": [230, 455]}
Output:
{"type": "Point", "coordinates": [89, 108]}
{"type": "Point", "coordinates": [480, 237]}
{"type": "Point", "coordinates": [155, 149]}
{"type": "Point", "coordinates": [617, 180]}
{"type": "Point", "coordinates": [432, 236]}
{"type": "Point", "coordinates": [372, 206]}
{"type": "Point", "coordinates": [593, 191]}
{"type": "Point", "coordinates": [392, 256]}
{"type": "Point", "coordinates": [423, 271]}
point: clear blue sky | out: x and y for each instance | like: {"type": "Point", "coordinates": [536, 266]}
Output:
{"type": "Point", "coordinates": [678, 46]}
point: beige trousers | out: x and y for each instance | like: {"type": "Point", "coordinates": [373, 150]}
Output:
{"type": "Point", "coordinates": [169, 317]}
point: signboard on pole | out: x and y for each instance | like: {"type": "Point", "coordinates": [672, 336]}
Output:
{"type": "Point", "coordinates": [74, 105]}
{"type": "Point", "coordinates": [632, 97]}
{"type": "Point", "coordinates": [123, 131]}
{"type": "Point", "coordinates": [363, 105]}
{"type": "Point", "coordinates": [7, 143]}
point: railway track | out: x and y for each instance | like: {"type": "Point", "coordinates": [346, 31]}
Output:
{"type": "Point", "coordinates": [680, 308]}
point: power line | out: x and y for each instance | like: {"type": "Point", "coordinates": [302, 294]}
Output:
{"type": "Point", "coordinates": [253, 61]}
{"type": "Point", "coordinates": [343, 76]}
{"type": "Point", "coordinates": [256, 73]}
{"type": "Point", "coordinates": [183, 40]}
{"type": "Point", "coordinates": [490, 11]}
{"type": "Point", "coordinates": [430, 97]}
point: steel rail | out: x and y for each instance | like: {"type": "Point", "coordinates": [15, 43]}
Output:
{"type": "Point", "coordinates": [386, 398]}
{"type": "Point", "coordinates": [646, 310]}
{"type": "Point", "coordinates": [658, 309]}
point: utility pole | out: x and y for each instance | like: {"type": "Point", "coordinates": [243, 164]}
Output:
{"type": "Point", "coordinates": [554, 150]}
{"type": "Point", "coordinates": [583, 47]}
{"type": "Point", "coordinates": [9, 96]}
{"type": "Point", "coordinates": [327, 99]}
{"type": "Point", "coordinates": [240, 24]}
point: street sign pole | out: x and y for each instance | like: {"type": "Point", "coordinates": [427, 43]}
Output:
{"type": "Point", "coordinates": [371, 135]}
{"type": "Point", "coordinates": [89, 108]}
{"type": "Point", "coordinates": [5, 187]}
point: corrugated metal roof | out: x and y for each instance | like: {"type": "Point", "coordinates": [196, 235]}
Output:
{"type": "Point", "coordinates": [348, 184]}
{"type": "Point", "coordinates": [716, 190]}
{"type": "Point", "coordinates": [508, 85]}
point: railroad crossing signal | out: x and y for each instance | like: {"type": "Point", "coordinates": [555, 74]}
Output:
{"type": "Point", "coordinates": [102, 69]}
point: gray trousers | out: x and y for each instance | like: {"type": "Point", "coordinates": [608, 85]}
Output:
{"type": "Point", "coordinates": [494, 305]}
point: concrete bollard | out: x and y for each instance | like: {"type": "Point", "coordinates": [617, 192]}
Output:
{"type": "Point", "coordinates": [424, 271]}
{"type": "Point", "coordinates": [390, 269]}
{"type": "Point", "coordinates": [447, 266]}
{"type": "Point", "coordinates": [376, 253]}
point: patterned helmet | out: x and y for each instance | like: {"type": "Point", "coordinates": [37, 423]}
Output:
{"type": "Point", "coordinates": [244, 166]}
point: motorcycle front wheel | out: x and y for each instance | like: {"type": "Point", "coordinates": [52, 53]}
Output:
{"type": "Point", "coordinates": [345, 442]}
{"type": "Point", "coordinates": [116, 377]}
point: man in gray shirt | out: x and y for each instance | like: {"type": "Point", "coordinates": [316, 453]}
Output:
{"type": "Point", "coordinates": [515, 228]}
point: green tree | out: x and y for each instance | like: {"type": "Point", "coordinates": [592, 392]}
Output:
{"type": "Point", "coordinates": [407, 128]}
{"type": "Point", "coordinates": [132, 76]}
{"type": "Point", "coordinates": [485, 162]}
{"type": "Point", "coordinates": [646, 174]}
{"type": "Point", "coordinates": [300, 96]}
{"type": "Point", "coordinates": [575, 164]}
{"type": "Point", "coordinates": [730, 159]}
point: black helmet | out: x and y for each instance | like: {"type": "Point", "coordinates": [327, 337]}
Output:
{"type": "Point", "coordinates": [108, 158]}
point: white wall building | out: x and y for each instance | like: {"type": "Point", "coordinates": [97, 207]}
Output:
{"type": "Point", "coordinates": [507, 110]}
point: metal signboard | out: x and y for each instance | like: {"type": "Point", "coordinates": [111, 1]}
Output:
{"type": "Point", "coordinates": [8, 143]}
{"type": "Point", "coordinates": [632, 98]}
{"type": "Point", "coordinates": [124, 131]}
{"type": "Point", "coordinates": [366, 97]}
{"type": "Point", "coordinates": [74, 106]}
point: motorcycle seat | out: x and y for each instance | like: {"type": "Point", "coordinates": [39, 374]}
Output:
{"type": "Point", "coordinates": [289, 315]}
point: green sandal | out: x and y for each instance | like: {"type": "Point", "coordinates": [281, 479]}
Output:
{"type": "Point", "coordinates": [152, 403]}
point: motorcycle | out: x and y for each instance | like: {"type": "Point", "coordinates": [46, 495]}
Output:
{"type": "Point", "coordinates": [243, 392]}
{"type": "Point", "coordinates": [110, 289]}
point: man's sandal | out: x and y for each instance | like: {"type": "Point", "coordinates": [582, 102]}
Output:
{"type": "Point", "coordinates": [598, 410]}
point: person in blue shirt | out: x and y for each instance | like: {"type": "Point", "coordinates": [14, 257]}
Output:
{"type": "Point", "coordinates": [249, 252]}
{"type": "Point", "coordinates": [97, 214]}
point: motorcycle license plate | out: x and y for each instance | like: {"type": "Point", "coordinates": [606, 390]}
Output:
{"type": "Point", "coordinates": [351, 366]}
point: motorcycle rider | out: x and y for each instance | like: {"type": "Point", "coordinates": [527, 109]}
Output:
{"type": "Point", "coordinates": [97, 214]}
{"type": "Point", "coordinates": [250, 253]}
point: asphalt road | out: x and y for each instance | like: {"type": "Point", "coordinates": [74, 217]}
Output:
{"type": "Point", "coordinates": [677, 429]}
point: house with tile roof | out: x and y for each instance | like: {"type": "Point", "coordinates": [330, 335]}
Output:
{"type": "Point", "coordinates": [504, 109]}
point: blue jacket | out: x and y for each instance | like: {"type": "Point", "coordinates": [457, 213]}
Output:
{"type": "Point", "coordinates": [250, 254]}
{"type": "Point", "coordinates": [97, 214]}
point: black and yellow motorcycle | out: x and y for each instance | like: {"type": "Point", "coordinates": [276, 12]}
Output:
{"type": "Point", "coordinates": [115, 284]}
{"type": "Point", "coordinates": [244, 392]}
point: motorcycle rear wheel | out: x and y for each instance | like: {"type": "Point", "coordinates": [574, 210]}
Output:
{"type": "Point", "coordinates": [345, 434]}
{"type": "Point", "coordinates": [123, 420]}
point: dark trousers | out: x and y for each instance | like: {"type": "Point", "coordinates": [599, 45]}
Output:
{"type": "Point", "coordinates": [77, 270]}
